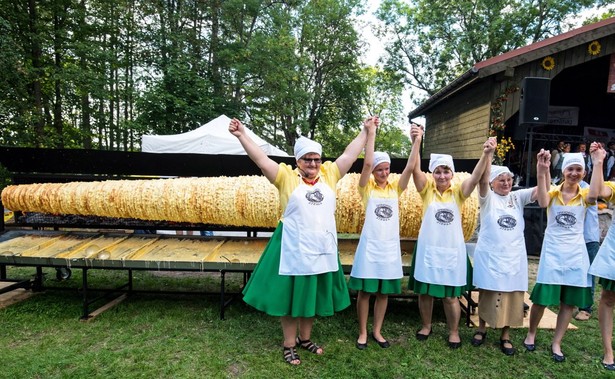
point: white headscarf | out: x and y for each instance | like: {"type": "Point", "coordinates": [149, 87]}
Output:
{"type": "Point", "coordinates": [436, 160]}
{"type": "Point", "coordinates": [497, 171]}
{"type": "Point", "coordinates": [573, 158]}
{"type": "Point", "coordinates": [380, 157]}
{"type": "Point", "coordinates": [305, 145]}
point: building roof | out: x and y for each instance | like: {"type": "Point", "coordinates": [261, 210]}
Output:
{"type": "Point", "coordinates": [518, 57]}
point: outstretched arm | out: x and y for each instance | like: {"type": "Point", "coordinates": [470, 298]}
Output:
{"type": "Point", "coordinates": [414, 161]}
{"type": "Point", "coordinates": [483, 183]}
{"type": "Point", "coordinates": [543, 164]}
{"type": "Point", "coordinates": [468, 185]}
{"type": "Point", "coordinates": [350, 155]}
{"type": "Point", "coordinates": [404, 178]}
{"type": "Point", "coordinates": [267, 165]}
{"type": "Point", "coordinates": [368, 161]}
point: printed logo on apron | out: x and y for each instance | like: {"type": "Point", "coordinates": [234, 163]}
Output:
{"type": "Point", "coordinates": [566, 219]}
{"type": "Point", "coordinates": [445, 216]}
{"type": "Point", "coordinates": [383, 212]}
{"type": "Point", "coordinates": [507, 222]}
{"type": "Point", "coordinates": [314, 197]}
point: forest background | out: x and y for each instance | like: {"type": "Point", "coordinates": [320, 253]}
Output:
{"type": "Point", "coordinates": [98, 74]}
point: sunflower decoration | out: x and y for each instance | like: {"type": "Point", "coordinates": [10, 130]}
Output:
{"type": "Point", "coordinates": [548, 63]}
{"type": "Point", "coordinates": [594, 48]}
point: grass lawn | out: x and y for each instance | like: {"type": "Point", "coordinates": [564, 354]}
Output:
{"type": "Point", "coordinates": [181, 336]}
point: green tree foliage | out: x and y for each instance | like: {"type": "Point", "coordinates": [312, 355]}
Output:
{"type": "Point", "coordinates": [100, 73]}
{"type": "Point", "coordinates": [434, 41]}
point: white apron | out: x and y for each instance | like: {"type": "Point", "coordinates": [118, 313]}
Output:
{"type": "Point", "coordinates": [309, 235]}
{"type": "Point", "coordinates": [500, 258]}
{"type": "Point", "coordinates": [563, 258]}
{"type": "Point", "coordinates": [378, 254]}
{"type": "Point", "coordinates": [604, 263]}
{"type": "Point", "coordinates": [441, 253]}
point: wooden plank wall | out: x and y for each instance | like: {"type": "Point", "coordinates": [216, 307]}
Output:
{"type": "Point", "coordinates": [459, 126]}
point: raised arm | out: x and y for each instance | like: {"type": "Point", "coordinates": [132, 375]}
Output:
{"type": "Point", "coordinates": [414, 161]}
{"type": "Point", "coordinates": [596, 185]}
{"type": "Point", "coordinates": [267, 165]}
{"type": "Point", "coordinates": [543, 164]}
{"type": "Point", "coordinates": [483, 183]}
{"type": "Point", "coordinates": [404, 178]}
{"type": "Point", "coordinates": [368, 161]}
{"type": "Point", "coordinates": [468, 185]}
{"type": "Point", "coordinates": [350, 155]}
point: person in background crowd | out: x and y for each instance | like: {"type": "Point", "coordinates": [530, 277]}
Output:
{"type": "Point", "coordinates": [582, 148]}
{"type": "Point", "coordinates": [556, 162]}
{"type": "Point", "coordinates": [562, 272]}
{"type": "Point", "coordinates": [440, 265]}
{"type": "Point", "coordinates": [500, 257]}
{"type": "Point", "coordinates": [299, 274]}
{"type": "Point", "coordinates": [603, 265]}
{"type": "Point", "coordinates": [377, 267]}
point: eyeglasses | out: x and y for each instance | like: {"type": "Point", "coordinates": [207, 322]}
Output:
{"type": "Point", "coordinates": [315, 160]}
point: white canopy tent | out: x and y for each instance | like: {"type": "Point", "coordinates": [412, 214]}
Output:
{"type": "Point", "coordinates": [211, 138]}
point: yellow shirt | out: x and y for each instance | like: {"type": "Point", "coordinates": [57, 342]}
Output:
{"type": "Point", "coordinates": [611, 185]}
{"type": "Point", "coordinates": [430, 194]}
{"type": "Point", "coordinates": [288, 179]}
{"type": "Point", "coordinates": [391, 190]}
{"type": "Point", "coordinates": [555, 197]}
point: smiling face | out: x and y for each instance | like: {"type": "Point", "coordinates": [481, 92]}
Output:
{"type": "Point", "coordinates": [502, 184]}
{"type": "Point", "coordinates": [573, 174]}
{"type": "Point", "coordinates": [381, 173]}
{"type": "Point", "coordinates": [442, 175]}
{"type": "Point", "coordinates": [309, 164]}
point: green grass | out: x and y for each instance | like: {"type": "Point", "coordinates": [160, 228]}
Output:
{"type": "Point", "coordinates": [181, 336]}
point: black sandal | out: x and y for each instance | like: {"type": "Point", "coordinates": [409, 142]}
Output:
{"type": "Point", "coordinates": [477, 342]}
{"type": "Point", "coordinates": [309, 346]}
{"type": "Point", "coordinates": [290, 355]}
{"type": "Point", "coordinates": [507, 350]}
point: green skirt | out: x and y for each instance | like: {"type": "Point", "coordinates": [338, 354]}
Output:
{"type": "Point", "coordinates": [295, 296]}
{"type": "Point", "coordinates": [554, 294]}
{"type": "Point", "coordinates": [438, 290]}
{"type": "Point", "coordinates": [607, 284]}
{"type": "Point", "coordinates": [383, 286]}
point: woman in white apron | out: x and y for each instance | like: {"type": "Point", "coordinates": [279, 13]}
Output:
{"type": "Point", "coordinates": [562, 272]}
{"type": "Point", "coordinates": [500, 258]}
{"type": "Point", "coordinates": [603, 265]}
{"type": "Point", "coordinates": [299, 274]}
{"type": "Point", "coordinates": [440, 262]}
{"type": "Point", "coordinates": [377, 261]}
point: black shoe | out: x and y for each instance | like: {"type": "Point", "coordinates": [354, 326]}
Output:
{"type": "Point", "coordinates": [383, 344]}
{"type": "Point", "coordinates": [507, 350]}
{"type": "Point", "coordinates": [529, 347]}
{"type": "Point", "coordinates": [477, 342]}
{"type": "Point", "coordinates": [422, 337]}
{"type": "Point", "coordinates": [361, 346]}
{"type": "Point", "coordinates": [609, 366]}
{"type": "Point", "coordinates": [454, 345]}
{"type": "Point", "coordinates": [556, 357]}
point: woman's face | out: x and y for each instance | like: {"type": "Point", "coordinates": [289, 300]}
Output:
{"type": "Point", "coordinates": [442, 175]}
{"type": "Point", "coordinates": [502, 184]}
{"type": "Point", "coordinates": [309, 165]}
{"type": "Point", "coordinates": [574, 174]}
{"type": "Point", "coordinates": [381, 173]}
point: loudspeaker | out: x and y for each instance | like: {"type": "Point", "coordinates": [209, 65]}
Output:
{"type": "Point", "coordinates": [534, 106]}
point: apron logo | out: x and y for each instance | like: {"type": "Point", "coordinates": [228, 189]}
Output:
{"type": "Point", "coordinates": [566, 219]}
{"type": "Point", "coordinates": [314, 197]}
{"type": "Point", "coordinates": [383, 212]}
{"type": "Point", "coordinates": [445, 216]}
{"type": "Point", "coordinates": [507, 222]}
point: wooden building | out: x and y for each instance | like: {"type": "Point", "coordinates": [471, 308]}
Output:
{"type": "Point", "coordinates": [486, 99]}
